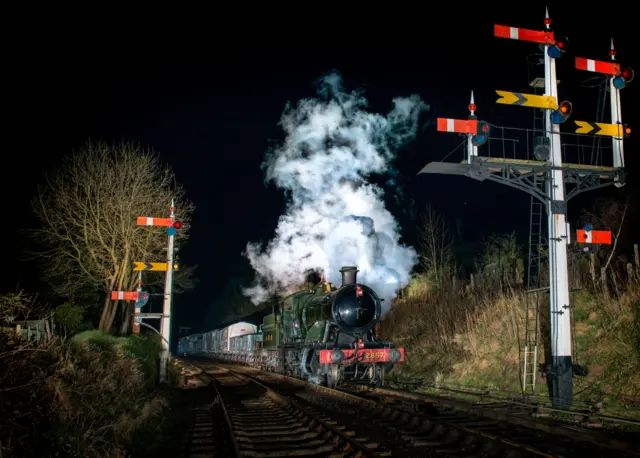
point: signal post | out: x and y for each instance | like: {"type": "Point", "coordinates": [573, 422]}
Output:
{"type": "Point", "coordinates": [561, 368]}
{"type": "Point", "coordinates": [546, 179]}
{"type": "Point", "coordinates": [477, 132]}
{"type": "Point", "coordinates": [618, 79]}
{"type": "Point", "coordinates": [173, 226]}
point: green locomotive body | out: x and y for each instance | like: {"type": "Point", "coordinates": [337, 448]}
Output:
{"type": "Point", "coordinates": [327, 335]}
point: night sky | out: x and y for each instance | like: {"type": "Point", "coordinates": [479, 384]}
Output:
{"type": "Point", "coordinates": [209, 102]}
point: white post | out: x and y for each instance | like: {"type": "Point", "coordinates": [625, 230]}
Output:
{"type": "Point", "coordinates": [561, 371]}
{"type": "Point", "coordinates": [616, 118]}
{"type": "Point", "coordinates": [135, 326]}
{"type": "Point", "coordinates": [472, 150]}
{"type": "Point", "coordinates": [165, 327]}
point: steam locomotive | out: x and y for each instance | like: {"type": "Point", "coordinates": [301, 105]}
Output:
{"type": "Point", "coordinates": [325, 335]}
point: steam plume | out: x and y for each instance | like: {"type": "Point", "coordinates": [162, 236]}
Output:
{"type": "Point", "coordinates": [334, 217]}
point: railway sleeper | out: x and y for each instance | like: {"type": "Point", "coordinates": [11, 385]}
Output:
{"type": "Point", "coordinates": [310, 438]}
{"type": "Point", "coordinates": [419, 424]}
{"type": "Point", "coordinates": [441, 439]}
{"type": "Point", "coordinates": [206, 440]}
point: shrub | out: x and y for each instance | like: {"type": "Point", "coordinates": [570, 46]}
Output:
{"type": "Point", "coordinates": [84, 397]}
{"type": "Point", "coordinates": [475, 337]}
{"type": "Point", "coordinates": [69, 317]}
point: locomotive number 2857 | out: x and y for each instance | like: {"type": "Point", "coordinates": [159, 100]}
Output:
{"type": "Point", "coordinates": [374, 355]}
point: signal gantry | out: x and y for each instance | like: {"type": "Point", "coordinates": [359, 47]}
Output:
{"type": "Point", "coordinates": [551, 172]}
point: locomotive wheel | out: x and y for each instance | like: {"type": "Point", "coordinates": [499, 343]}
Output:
{"type": "Point", "coordinates": [333, 377]}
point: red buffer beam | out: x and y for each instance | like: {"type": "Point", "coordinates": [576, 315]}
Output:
{"type": "Point", "coordinates": [598, 66]}
{"type": "Point", "coordinates": [516, 33]}
{"type": "Point", "coordinates": [460, 126]}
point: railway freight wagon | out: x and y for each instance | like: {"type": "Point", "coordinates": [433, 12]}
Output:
{"type": "Point", "coordinates": [182, 346]}
{"type": "Point", "coordinates": [231, 339]}
{"type": "Point", "coordinates": [190, 345]}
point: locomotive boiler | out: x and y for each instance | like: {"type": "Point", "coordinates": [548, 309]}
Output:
{"type": "Point", "coordinates": [327, 335]}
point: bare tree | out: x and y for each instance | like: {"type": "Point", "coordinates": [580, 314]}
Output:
{"type": "Point", "coordinates": [436, 242]}
{"type": "Point", "coordinates": [606, 214]}
{"type": "Point", "coordinates": [500, 262]}
{"type": "Point", "coordinates": [88, 238]}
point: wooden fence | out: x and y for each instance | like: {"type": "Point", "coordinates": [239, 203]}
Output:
{"type": "Point", "coordinates": [38, 330]}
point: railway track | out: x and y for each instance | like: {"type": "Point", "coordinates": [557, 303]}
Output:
{"type": "Point", "coordinates": [564, 432]}
{"type": "Point", "coordinates": [261, 422]}
{"type": "Point", "coordinates": [584, 414]}
{"type": "Point", "coordinates": [207, 438]}
{"type": "Point", "coordinates": [428, 429]}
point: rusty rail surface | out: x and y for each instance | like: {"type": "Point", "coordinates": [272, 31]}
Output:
{"type": "Point", "coordinates": [589, 440]}
{"type": "Point", "coordinates": [264, 423]}
{"type": "Point", "coordinates": [453, 427]}
{"type": "Point", "coordinates": [589, 414]}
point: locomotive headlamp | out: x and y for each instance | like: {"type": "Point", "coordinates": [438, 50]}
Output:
{"type": "Point", "coordinates": [359, 291]}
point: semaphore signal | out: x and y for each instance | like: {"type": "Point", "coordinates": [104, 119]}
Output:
{"type": "Point", "coordinates": [618, 79]}
{"type": "Point", "coordinates": [477, 132]}
{"type": "Point", "coordinates": [174, 227]}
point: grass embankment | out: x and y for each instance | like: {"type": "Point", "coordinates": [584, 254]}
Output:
{"type": "Point", "coordinates": [474, 338]}
{"type": "Point", "coordinates": [91, 395]}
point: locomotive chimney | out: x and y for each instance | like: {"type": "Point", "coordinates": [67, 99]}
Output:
{"type": "Point", "coordinates": [349, 274]}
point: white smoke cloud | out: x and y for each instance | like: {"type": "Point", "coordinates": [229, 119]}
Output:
{"type": "Point", "coordinates": [334, 217]}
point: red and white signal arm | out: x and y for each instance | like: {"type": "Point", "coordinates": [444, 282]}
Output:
{"type": "Point", "coordinates": [598, 66]}
{"type": "Point", "coordinates": [595, 237]}
{"type": "Point", "coordinates": [461, 126]}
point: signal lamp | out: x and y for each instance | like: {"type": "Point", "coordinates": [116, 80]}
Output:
{"type": "Point", "coordinates": [175, 228]}
{"type": "Point", "coordinates": [562, 113]}
{"type": "Point", "coordinates": [143, 298]}
{"type": "Point", "coordinates": [541, 148]}
{"type": "Point", "coordinates": [626, 131]}
{"type": "Point", "coordinates": [559, 48]}
{"type": "Point", "coordinates": [482, 134]}
{"type": "Point", "coordinates": [624, 78]}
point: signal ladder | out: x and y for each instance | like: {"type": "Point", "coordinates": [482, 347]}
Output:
{"type": "Point", "coordinates": [530, 353]}
{"type": "Point", "coordinates": [603, 88]}
{"type": "Point", "coordinates": [529, 361]}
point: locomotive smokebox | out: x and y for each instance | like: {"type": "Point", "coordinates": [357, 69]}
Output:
{"type": "Point", "coordinates": [349, 274]}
